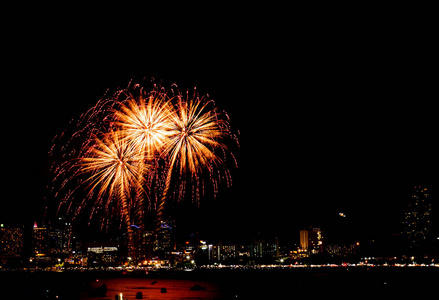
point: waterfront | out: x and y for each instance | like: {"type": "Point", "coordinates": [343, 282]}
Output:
{"type": "Point", "coordinates": [155, 288]}
{"type": "Point", "coordinates": [344, 283]}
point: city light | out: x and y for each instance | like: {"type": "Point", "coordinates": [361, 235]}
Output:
{"type": "Point", "coordinates": [142, 150]}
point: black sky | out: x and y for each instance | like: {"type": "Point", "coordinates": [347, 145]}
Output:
{"type": "Point", "coordinates": [336, 112]}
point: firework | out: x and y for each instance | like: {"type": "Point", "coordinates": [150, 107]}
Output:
{"type": "Point", "coordinates": [113, 165]}
{"type": "Point", "coordinates": [145, 124]}
{"type": "Point", "coordinates": [114, 170]}
{"type": "Point", "coordinates": [194, 134]}
{"type": "Point", "coordinates": [133, 145]}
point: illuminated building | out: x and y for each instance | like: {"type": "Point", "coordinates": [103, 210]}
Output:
{"type": "Point", "coordinates": [304, 239]}
{"type": "Point", "coordinates": [52, 240]}
{"type": "Point", "coordinates": [417, 218]}
{"type": "Point", "coordinates": [39, 240]}
{"type": "Point", "coordinates": [164, 240]}
{"type": "Point", "coordinates": [59, 239]}
{"type": "Point", "coordinates": [11, 241]}
{"type": "Point", "coordinates": [341, 250]}
{"type": "Point", "coordinates": [222, 252]}
{"type": "Point", "coordinates": [264, 249]}
{"type": "Point", "coordinates": [102, 253]}
{"type": "Point", "coordinates": [272, 249]}
{"type": "Point", "coordinates": [257, 249]}
{"type": "Point", "coordinates": [311, 240]}
{"type": "Point", "coordinates": [146, 244]}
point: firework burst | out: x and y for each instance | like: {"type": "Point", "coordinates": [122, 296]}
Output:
{"type": "Point", "coordinates": [115, 170]}
{"type": "Point", "coordinates": [114, 166]}
{"type": "Point", "coordinates": [196, 132]}
{"type": "Point", "coordinates": [145, 123]}
{"type": "Point", "coordinates": [193, 136]}
{"type": "Point", "coordinates": [132, 144]}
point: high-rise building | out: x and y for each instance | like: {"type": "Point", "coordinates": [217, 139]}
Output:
{"type": "Point", "coordinates": [417, 218]}
{"type": "Point", "coordinates": [221, 252]}
{"type": "Point", "coordinates": [39, 240]}
{"type": "Point", "coordinates": [11, 241]}
{"type": "Point", "coordinates": [311, 240]}
{"type": "Point", "coordinates": [264, 248]}
{"type": "Point", "coordinates": [164, 240]}
{"type": "Point", "coordinates": [59, 239]}
{"type": "Point", "coordinates": [102, 253]}
{"type": "Point", "coordinates": [56, 239]}
{"type": "Point", "coordinates": [304, 239]}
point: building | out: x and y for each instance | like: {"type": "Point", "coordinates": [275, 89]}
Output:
{"type": "Point", "coordinates": [11, 242]}
{"type": "Point", "coordinates": [40, 238]}
{"type": "Point", "coordinates": [146, 244]}
{"type": "Point", "coordinates": [221, 253]}
{"type": "Point", "coordinates": [311, 240]}
{"type": "Point", "coordinates": [60, 238]}
{"type": "Point", "coordinates": [304, 239]}
{"type": "Point", "coordinates": [263, 248]}
{"type": "Point", "coordinates": [164, 243]}
{"type": "Point", "coordinates": [103, 253]}
{"type": "Point", "coordinates": [417, 219]}
{"type": "Point", "coordinates": [342, 250]}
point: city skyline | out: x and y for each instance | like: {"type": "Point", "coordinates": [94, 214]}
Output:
{"type": "Point", "coordinates": [59, 246]}
{"type": "Point", "coordinates": [336, 120]}
{"type": "Point", "coordinates": [60, 241]}
{"type": "Point", "coordinates": [333, 185]}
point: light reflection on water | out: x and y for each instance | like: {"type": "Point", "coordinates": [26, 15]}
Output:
{"type": "Point", "coordinates": [152, 289]}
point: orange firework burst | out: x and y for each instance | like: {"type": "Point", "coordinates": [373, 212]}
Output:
{"type": "Point", "coordinates": [195, 133]}
{"type": "Point", "coordinates": [144, 140]}
{"type": "Point", "coordinates": [113, 164]}
{"type": "Point", "coordinates": [145, 124]}
{"type": "Point", "coordinates": [115, 169]}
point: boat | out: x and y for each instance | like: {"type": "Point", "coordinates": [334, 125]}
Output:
{"type": "Point", "coordinates": [100, 291]}
{"type": "Point", "coordinates": [197, 287]}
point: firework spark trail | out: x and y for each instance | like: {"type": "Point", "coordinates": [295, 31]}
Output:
{"type": "Point", "coordinates": [195, 133]}
{"type": "Point", "coordinates": [144, 123]}
{"type": "Point", "coordinates": [150, 142]}
{"type": "Point", "coordinates": [115, 169]}
{"type": "Point", "coordinates": [76, 142]}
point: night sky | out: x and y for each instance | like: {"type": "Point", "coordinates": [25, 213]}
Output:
{"type": "Point", "coordinates": [335, 114]}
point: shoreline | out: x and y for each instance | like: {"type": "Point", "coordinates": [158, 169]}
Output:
{"type": "Point", "coordinates": [146, 270]}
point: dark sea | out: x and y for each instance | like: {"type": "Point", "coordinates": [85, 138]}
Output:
{"type": "Point", "coordinates": [312, 283]}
